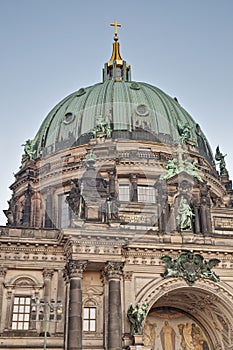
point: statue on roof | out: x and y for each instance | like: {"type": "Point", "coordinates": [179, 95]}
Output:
{"type": "Point", "coordinates": [184, 131]}
{"type": "Point", "coordinates": [102, 128]}
{"type": "Point", "coordinates": [28, 150]}
{"type": "Point", "coordinates": [220, 158]}
{"type": "Point", "coordinates": [171, 169]}
{"type": "Point", "coordinates": [177, 165]}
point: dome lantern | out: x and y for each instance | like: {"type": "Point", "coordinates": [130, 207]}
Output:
{"type": "Point", "coordinates": [116, 68]}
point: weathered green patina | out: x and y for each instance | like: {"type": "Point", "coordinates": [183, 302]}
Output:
{"type": "Point", "coordinates": [190, 267]}
{"type": "Point", "coordinates": [126, 106]}
{"type": "Point", "coordinates": [177, 165]}
{"type": "Point", "coordinates": [136, 315]}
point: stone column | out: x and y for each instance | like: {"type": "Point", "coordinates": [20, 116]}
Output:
{"type": "Point", "coordinates": [196, 218]}
{"type": "Point", "coordinates": [75, 271]}
{"type": "Point", "coordinates": [27, 207]}
{"type": "Point", "coordinates": [162, 208]}
{"type": "Point", "coordinates": [113, 272]}
{"type": "Point", "coordinates": [47, 274]}
{"type": "Point", "coordinates": [2, 277]}
{"type": "Point", "coordinates": [112, 189]}
{"type": "Point", "coordinates": [134, 191]}
{"type": "Point", "coordinates": [172, 220]}
{"type": "Point", "coordinates": [9, 299]}
{"type": "Point", "coordinates": [203, 215]}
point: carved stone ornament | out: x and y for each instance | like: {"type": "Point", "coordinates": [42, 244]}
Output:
{"type": "Point", "coordinates": [190, 267]}
{"type": "Point", "coordinates": [48, 274]}
{"type": "Point", "coordinates": [136, 316]}
{"type": "Point", "coordinates": [75, 268]}
{"type": "Point", "coordinates": [113, 270]}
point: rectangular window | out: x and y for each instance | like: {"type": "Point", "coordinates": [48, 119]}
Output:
{"type": "Point", "coordinates": [21, 313]}
{"type": "Point", "coordinates": [146, 194]}
{"type": "Point", "coordinates": [124, 193]}
{"type": "Point", "coordinates": [64, 212]}
{"type": "Point", "coordinates": [89, 319]}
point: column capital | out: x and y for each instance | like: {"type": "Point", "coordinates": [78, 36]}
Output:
{"type": "Point", "coordinates": [75, 268]}
{"type": "Point", "coordinates": [113, 270]}
{"type": "Point", "coordinates": [48, 274]}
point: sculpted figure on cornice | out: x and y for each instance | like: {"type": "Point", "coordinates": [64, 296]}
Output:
{"type": "Point", "coordinates": [190, 266]}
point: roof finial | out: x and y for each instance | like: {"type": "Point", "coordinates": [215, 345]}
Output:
{"type": "Point", "coordinates": [115, 24]}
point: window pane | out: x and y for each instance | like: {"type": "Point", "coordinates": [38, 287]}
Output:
{"type": "Point", "coordinates": [28, 301]}
{"type": "Point", "coordinates": [15, 309]}
{"type": "Point", "coordinates": [15, 317]}
{"type": "Point", "coordinates": [124, 193]}
{"type": "Point", "coordinates": [92, 313]}
{"type": "Point", "coordinates": [86, 312]}
{"type": "Point", "coordinates": [26, 317]}
{"type": "Point", "coordinates": [21, 308]}
{"type": "Point", "coordinates": [27, 308]}
{"type": "Point", "coordinates": [14, 325]}
{"type": "Point", "coordinates": [20, 317]}
{"type": "Point", "coordinates": [16, 300]}
{"type": "Point", "coordinates": [92, 326]}
{"type": "Point", "coordinates": [85, 325]}
{"type": "Point", "coordinates": [26, 326]}
{"type": "Point", "coordinates": [20, 325]}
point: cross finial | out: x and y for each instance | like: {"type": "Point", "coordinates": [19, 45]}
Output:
{"type": "Point", "coordinates": [115, 25]}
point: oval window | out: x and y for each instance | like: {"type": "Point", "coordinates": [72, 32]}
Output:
{"type": "Point", "coordinates": [68, 118]}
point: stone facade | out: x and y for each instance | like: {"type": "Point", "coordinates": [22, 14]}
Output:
{"type": "Point", "coordinates": [100, 225]}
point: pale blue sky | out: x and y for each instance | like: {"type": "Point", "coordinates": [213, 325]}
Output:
{"type": "Point", "coordinates": [50, 48]}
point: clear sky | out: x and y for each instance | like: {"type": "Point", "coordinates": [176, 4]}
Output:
{"type": "Point", "coordinates": [50, 48]}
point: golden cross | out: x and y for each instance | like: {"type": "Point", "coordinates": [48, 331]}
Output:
{"type": "Point", "coordinates": [115, 25]}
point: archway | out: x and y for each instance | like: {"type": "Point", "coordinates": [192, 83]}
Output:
{"type": "Point", "coordinates": [181, 317]}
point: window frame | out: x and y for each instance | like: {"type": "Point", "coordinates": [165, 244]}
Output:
{"type": "Point", "coordinates": [89, 320]}
{"type": "Point", "coordinates": [149, 196]}
{"type": "Point", "coordinates": [22, 316]}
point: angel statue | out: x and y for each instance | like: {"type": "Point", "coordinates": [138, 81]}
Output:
{"type": "Point", "coordinates": [136, 316]}
{"type": "Point", "coordinates": [28, 150]}
{"type": "Point", "coordinates": [206, 271]}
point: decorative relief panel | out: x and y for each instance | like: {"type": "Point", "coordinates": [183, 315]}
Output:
{"type": "Point", "coordinates": [221, 223]}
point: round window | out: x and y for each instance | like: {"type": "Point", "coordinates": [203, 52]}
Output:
{"type": "Point", "coordinates": [68, 118]}
{"type": "Point", "coordinates": [142, 110]}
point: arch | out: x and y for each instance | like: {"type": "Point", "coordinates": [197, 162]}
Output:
{"type": "Point", "coordinates": [208, 302]}
{"type": "Point", "coordinates": [24, 281]}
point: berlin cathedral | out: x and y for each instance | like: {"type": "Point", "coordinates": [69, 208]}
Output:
{"type": "Point", "coordinates": [119, 229]}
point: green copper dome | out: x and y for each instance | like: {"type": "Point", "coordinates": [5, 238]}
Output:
{"type": "Point", "coordinates": [131, 110]}
{"type": "Point", "coordinates": [117, 108]}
